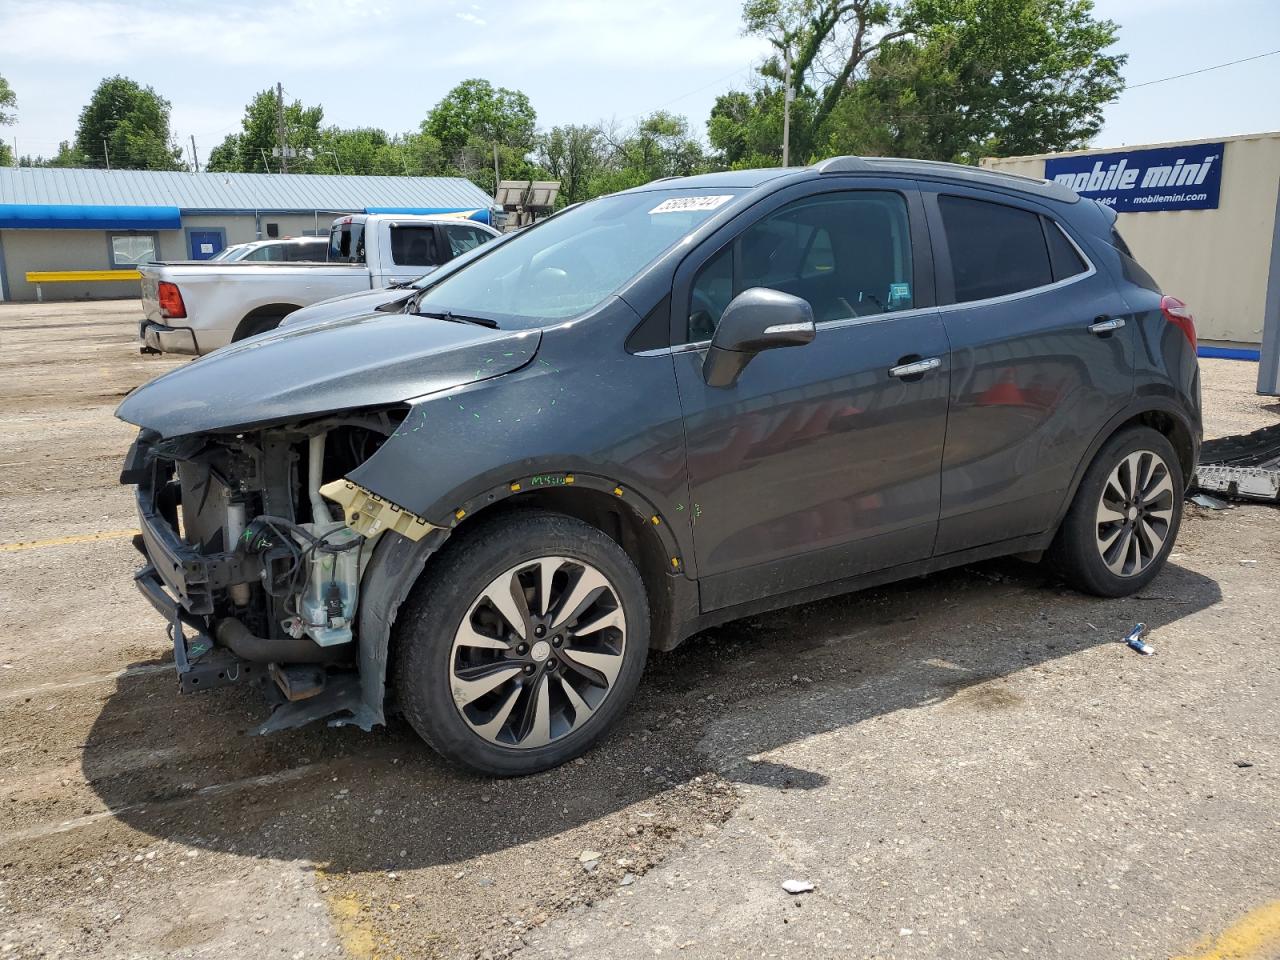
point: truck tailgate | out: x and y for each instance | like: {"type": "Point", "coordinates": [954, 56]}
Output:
{"type": "Point", "coordinates": [150, 300]}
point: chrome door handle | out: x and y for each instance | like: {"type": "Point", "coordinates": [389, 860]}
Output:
{"type": "Point", "coordinates": [915, 368]}
{"type": "Point", "coordinates": [1106, 326]}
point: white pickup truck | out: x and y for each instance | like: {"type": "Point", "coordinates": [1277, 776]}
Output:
{"type": "Point", "coordinates": [196, 307]}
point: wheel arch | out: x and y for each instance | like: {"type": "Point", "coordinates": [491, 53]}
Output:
{"type": "Point", "coordinates": [280, 310]}
{"type": "Point", "coordinates": [1162, 416]}
{"type": "Point", "coordinates": [622, 514]}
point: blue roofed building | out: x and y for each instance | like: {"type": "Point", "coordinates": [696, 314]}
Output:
{"type": "Point", "coordinates": [98, 223]}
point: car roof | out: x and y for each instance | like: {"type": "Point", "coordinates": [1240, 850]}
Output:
{"type": "Point", "coordinates": [873, 166]}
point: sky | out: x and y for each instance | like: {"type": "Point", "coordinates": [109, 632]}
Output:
{"type": "Point", "coordinates": [384, 63]}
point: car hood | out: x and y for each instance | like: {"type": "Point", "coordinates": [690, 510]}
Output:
{"type": "Point", "coordinates": [348, 305]}
{"type": "Point", "coordinates": [343, 364]}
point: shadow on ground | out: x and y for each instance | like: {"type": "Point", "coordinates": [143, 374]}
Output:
{"type": "Point", "coordinates": [353, 801]}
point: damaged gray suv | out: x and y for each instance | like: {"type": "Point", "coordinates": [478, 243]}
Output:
{"type": "Point", "coordinates": [484, 508]}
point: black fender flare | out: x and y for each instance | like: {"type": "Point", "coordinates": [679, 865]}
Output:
{"type": "Point", "coordinates": [397, 562]}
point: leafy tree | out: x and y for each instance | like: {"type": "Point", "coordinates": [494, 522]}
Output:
{"type": "Point", "coordinates": [8, 103]}
{"type": "Point", "coordinates": [476, 112]}
{"type": "Point", "coordinates": [830, 41]}
{"type": "Point", "coordinates": [130, 124]}
{"type": "Point", "coordinates": [746, 127]}
{"type": "Point", "coordinates": [660, 145]}
{"type": "Point", "coordinates": [574, 155]}
{"type": "Point", "coordinates": [250, 150]}
{"type": "Point", "coordinates": [942, 79]}
{"type": "Point", "coordinates": [985, 77]}
{"type": "Point", "coordinates": [370, 151]}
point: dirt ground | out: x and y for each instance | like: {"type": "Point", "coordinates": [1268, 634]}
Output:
{"type": "Point", "coordinates": [968, 765]}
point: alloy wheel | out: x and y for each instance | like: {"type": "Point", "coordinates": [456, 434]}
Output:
{"type": "Point", "coordinates": [1135, 513]}
{"type": "Point", "coordinates": [538, 652]}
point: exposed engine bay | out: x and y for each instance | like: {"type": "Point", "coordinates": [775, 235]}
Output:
{"type": "Point", "coordinates": [265, 569]}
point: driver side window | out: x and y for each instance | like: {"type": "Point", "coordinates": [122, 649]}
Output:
{"type": "Point", "coordinates": [847, 254]}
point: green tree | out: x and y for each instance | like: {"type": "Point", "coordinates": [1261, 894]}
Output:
{"type": "Point", "coordinates": [250, 150]}
{"type": "Point", "coordinates": [474, 113]}
{"type": "Point", "coordinates": [830, 41]}
{"type": "Point", "coordinates": [126, 126]}
{"type": "Point", "coordinates": [660, 145]}
{"type": "Point", "coordinates": [370, 151]}
{"type": "Point", "coordinates": [985, 77]}
{"type": "Point", "coordinates": [745, 128]}
{"type": "Point", "coordinates": [941, 79]}
{"type": "Point", "coordinates": [8, 104]}
{"type": "Point", "coordinates": [575, 156]}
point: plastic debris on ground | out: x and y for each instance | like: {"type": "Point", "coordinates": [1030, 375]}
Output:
{"type": "Point", "coordinates": [1208, 502]}
{"type": "Point", "coordinates": [794, 887]}
{"type": "Point", "coordinates": [1135, 641]}
{"type": "Point", "coordinates": [1244, 467]}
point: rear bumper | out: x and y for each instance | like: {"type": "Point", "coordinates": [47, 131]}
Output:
{"type": "Point", "coordinates": [158, 338]}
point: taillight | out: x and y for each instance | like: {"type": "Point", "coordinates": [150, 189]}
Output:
{"type": "Point", "coordinates": [1176, 312]}
{"type": "Point", "coordinates": [171, 304]}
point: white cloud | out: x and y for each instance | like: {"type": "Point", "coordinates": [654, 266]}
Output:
{"type": "Point", "coordinates": [471, 17]}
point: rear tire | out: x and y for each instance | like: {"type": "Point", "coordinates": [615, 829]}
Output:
{"type": "Point", "coordinates": [522, 644]}
{"type": "Point", "coordinates": [1124, 519]}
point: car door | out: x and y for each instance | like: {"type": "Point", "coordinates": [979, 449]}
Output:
{"type": "Point", "coordinates": [821, 462]}
{"type": "Point", "coordinates": [1039, 364]}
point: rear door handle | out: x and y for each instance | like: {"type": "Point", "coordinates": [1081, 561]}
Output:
{"type": "Point", "coordinates": [1106, 326]}
{"type": "Point", "coordinates": [915, 368]}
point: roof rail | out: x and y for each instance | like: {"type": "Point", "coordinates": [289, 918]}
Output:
{"type": "Point", "coordinates": [841, 165]}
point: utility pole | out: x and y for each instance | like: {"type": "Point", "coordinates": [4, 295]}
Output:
{"type": "Point", "coordinates": [786, 109]}
{"type": "Point", "coordinates": [284, 147]}
{"type": "Point", "coordinates": [195, 157]}
{"type": "Point", "coordinates": [495, 169]}
{"type": "Point", "coordinates": [106, 154]}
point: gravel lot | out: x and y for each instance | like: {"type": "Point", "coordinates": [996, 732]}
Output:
{"type": "Point", "coordinates": [965, 766]}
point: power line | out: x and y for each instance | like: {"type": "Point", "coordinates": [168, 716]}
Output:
{"type": "Point", "coordinates": [1192, 73]}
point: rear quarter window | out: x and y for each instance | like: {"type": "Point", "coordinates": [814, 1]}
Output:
{"type": "Point", "coordinates": [996, 250]}
{"type": "Point", "coordinates": [1063, 256]}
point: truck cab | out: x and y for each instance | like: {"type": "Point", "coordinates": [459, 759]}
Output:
{"type": "Point", "coordinates": [197, 307]}
{"type": "Point", "coordinates": [399, 249]}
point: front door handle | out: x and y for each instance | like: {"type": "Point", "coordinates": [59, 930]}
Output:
{"type": "Point", "coordinates": [1107, 325]}
{"type": "Point", "coordinates": [915, 368]}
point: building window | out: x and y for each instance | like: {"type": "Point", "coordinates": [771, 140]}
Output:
{"type": "Point", "coordinates": [130, 249]}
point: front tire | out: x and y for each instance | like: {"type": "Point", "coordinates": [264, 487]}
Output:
{"type": "Point", "coordinates": [1124, 519]}
{"type": "Point", "coordinates": [522, 644]}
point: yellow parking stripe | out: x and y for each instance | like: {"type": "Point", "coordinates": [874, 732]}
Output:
{"type": "Point", "coordinates": [62, 541]}
{"type": "Point", "coordinates": [1253, 937]}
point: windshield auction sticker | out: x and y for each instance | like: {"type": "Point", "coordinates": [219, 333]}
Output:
{"type": "Point", "coordinates": [683, 204]}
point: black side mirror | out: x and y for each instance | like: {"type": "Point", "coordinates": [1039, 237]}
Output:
{"type": "Point", "coordinates": [756, 319]}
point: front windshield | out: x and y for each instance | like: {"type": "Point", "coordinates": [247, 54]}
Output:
{"type": "Point", "coordinates": [571, 263]}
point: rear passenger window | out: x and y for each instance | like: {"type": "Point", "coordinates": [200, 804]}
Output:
{"type": "Point", "coordinates": [995, 250]}
{"type": "Point", "coordinates": [414, 246]}
{"type": "Point", "coordinates": [847, 254]}
{"type": "Point", "coordinates": [463, 239]}
{"type": "Point", "coordinates": [1063, 256]}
